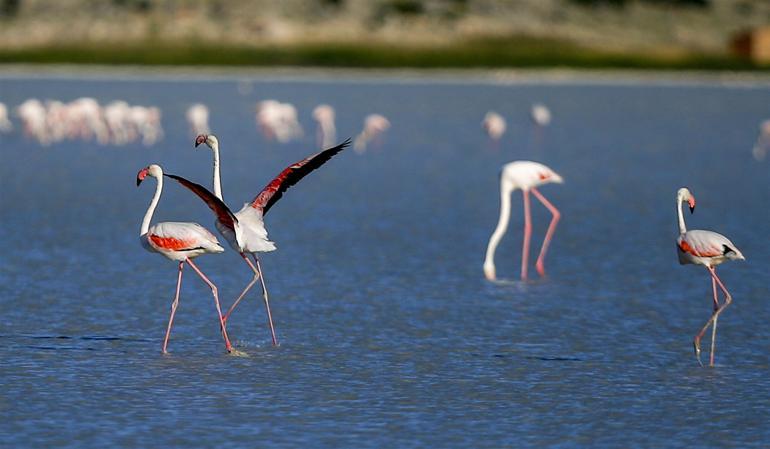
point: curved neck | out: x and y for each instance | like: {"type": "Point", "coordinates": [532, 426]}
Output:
{"type": "Point", "coordinates": [682, 227]}
{"type": "Point", "coordinates": [151, 209]}
{"type": "Point", "coordinates": [217, 181]}
{"type": "Point", "coordinates": [502, 223]}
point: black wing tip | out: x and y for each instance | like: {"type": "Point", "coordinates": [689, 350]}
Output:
{"type": "Point", "coordinates": [345, 144]}
{"type": "Point", "coordinates": [340, 147]}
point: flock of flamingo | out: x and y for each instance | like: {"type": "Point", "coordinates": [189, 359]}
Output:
{"type": "Point", "coordinates": [116, 123]}
{"type": "Point", "coordinates": [120, 123]}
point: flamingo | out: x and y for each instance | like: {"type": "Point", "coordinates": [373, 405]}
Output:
{"type": "Point", "coordinates": [278, 121]}
{"type": "Point", "coordinates": [5, 124]}
{"type": "Point", "coordinates": [763, 141]}
{"type": "Point", "coordinates": [375, 126]}
{"type": "Point", "coordinates": [198, 118]}
{"type": "Point", "coordinates": [181, 242]}
{"type": "Point", "coordinates": [326, 132]}
{"type": "Point", "coordinates": [709, 249]}
{"type": "Point", "coordinates": [494, 125]}
{"type": "Point", "coordinates": [527, 176]}
{"type": "Point", "coordinates": [540, 114]}
{"type": "Point", "coordinates": [246, 232]}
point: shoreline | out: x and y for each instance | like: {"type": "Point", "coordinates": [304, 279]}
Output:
{"type": "Point", "coordinates": [288, 74]}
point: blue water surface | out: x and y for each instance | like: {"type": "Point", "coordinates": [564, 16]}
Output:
{"type": "Point", "coordinates": [390, 336]}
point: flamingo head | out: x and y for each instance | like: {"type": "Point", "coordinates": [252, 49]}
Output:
{"type": "Point", "coordinates": [209, 139]}
{"type": "Point", "coordinates": [153, 170]}
{"type": "Point", "coordinates": [684, 194]}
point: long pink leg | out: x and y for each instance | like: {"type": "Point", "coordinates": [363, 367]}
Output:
{"type": "Point", "coordinates": [540, 264]}
{"type": "Point", "coordinates": [213, 287]}
{"type": "Point", "coordinates": [173, 307]}
{"type": "Point", "coordinates": [527, 235]}
{"type": "Point", "coordinates": [714, 327]}
{"type": "Point", "coordinates": [257, 275]}
{"type": "Point", "coordinates": [267, 300]}
{"type": "Point", "coordinates": [246, 289]}
{"type": "Point", "coordinates": [714, 316]}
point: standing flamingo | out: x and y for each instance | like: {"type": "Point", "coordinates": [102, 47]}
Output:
{"type": "Point", "coordinates": [524, 175]}
{"type": "Point", "coordinates": [709, 249]}
{"type": "Point", "coordinates": [326, 132]}
{"type": "Point", "coordinates": [246, 232]}
{"type": "Point", "coordinates": [181, 242]}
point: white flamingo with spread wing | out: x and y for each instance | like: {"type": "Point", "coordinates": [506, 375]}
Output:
{"type": "Point", "coordinates": [245, 230]}
{"type": "Point", "coordinates": [527, 176]}
{"type": "Point", "coordinates": [709, 249]}
{"type": "Point", "coordinates": [179, 241]}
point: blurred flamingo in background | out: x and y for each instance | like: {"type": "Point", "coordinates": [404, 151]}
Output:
{"type": "Point", "coordinates": [279, 121]}
{"type": "Point", "coordinates": [494, 125]}
{"type": "Point", "coordinates": [5, 123]}
{"type": "Point", "coordinates": [246, 232]}
{"type": "Point", "coordinates": [709, 249]}
{"type": "Point", "coordinates": [524, 175]}
{"type": "Point", "coordinates": [33, 117]}
{"type": "Point", "coordinates": [117, 123]}
{"type": "Point", "coordinates": [198, 118]}
{"type": "Point", "coordinates": [326, 132]}
{"type": "Point", "coordinates": [179, 241]}
{"type": "Point", "coordinates": [375, 126]}
{"type": "Point", "coordinates": [759, 151]}
{"type": "Point", "coordinates": [541, 115]}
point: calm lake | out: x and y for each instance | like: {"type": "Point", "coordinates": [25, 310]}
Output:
{"type": "Point", "coordinates": [390, 335]}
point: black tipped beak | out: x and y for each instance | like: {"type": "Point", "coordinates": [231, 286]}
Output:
{"type": "Point", "coordinates": [197, 143]}
{"type": "Point", "coordinates": [138, 181]}
{"type": "Point", "coordinates": [692, 209]}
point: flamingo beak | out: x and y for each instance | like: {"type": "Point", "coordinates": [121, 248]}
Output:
{"type": "Point", "coordinates": [200, 139]}
{"type": "Point", "coordinates": [140, 176]}
{"type": "Point", "coordinates": [692, 206]}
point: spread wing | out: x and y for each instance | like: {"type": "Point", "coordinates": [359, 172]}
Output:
{"type": "Point", "coordinates": [220, 209]}
{"type": "Point", "coordinates": [291, 175]}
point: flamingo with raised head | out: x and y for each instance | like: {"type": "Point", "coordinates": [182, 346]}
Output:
{"type": "Point", "coordinates": [527, 176]}
{"type": "Point", "coordinates": [709, 249]}
{"type": "Point", "coordinates": [179, 241]}
{"type": "Point", "coordinates": [197, 116]}
{"type": "Point", "coordinates": [326, 132]}
{"type": "Point", "coordinates": [246, 231]}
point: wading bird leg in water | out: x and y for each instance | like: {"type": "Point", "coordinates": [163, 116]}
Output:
{"type": "Point", "coordinates": [245, 289]}
{"type": "Point", "coordinates": [267, 300]}
{"type": "Point", "coordinates": [527, 235]}
{"type": "Point", "coordinates": [714, 327]}
{"type": "Point", "coordinates": [257, 275]}
{"type": "Point", "coordinates": [556, 215]}
{"type": "Point", "coordinates": [713, 319]}
{"type": "Point", "coordinates": [216, 301]}
{"type": "Point", "coordinates": [173, 307]}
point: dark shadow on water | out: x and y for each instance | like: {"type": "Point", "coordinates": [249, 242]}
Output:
{"type": "Point", "coordinates": [554, 359]}
{"type": "Point", "coordinates": [532, 357]}
{"type": "Point", "coordinates": [61, 348]}
{"type": "Point", "coordinates": [84, 337]}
